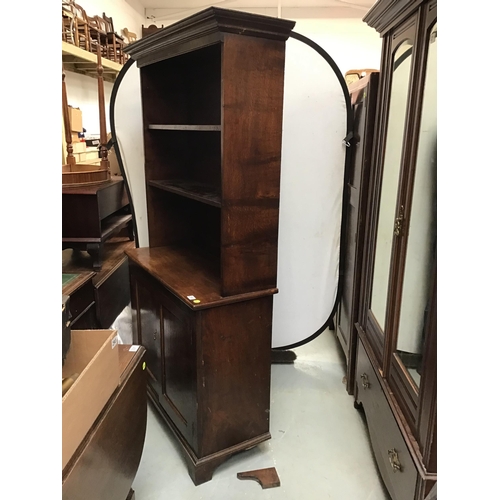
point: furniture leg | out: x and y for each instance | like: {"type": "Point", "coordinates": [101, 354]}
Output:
{"type": "Point", "coordinates": [95, 251]}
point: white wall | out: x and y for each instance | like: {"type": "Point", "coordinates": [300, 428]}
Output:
{"type": "Point", "coordinates": [340, 31]}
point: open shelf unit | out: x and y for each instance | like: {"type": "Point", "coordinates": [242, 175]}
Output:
{"type": "Point", "coordinates": [202, 293]}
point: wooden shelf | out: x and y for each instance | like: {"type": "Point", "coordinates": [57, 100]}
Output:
{"type": "Point", "coordinates": [193, 190]}
{"type": "Point", "coordinates": [114, 224]}
{"type": "Point", "coordinates": [83, 62]}
{"type": "Point", "coordinates": [199, 128]}
{"type": "Point", "coordinates": [170, 265]}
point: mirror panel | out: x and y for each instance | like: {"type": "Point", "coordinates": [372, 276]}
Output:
{"type": "Point", "coordinates": [421, 233]}
{"type": "Point", "coordinates": [402, 62]}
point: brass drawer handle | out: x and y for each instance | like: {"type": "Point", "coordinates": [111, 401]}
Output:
{"type": "Point", "coordinates": [394, 460]}
{"type": "Point", "coordinates": [365, 383]}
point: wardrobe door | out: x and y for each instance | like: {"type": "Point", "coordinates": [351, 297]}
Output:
{"type": "Point", "coordinates": [386, 216]}
{"type": "Point", "coordinates": [415, 273]}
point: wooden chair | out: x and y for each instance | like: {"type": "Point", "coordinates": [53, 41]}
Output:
{"type": "Point", "coordinates": [98, 35]}
{"type": "Point", "coordinates": [131, 37]}
{"type": "Point", "coordinates": [115, 42]}
{"type": "Point", "coordinates": [151, 29]}
{"type": "Point", "coordinates": [74, 24]}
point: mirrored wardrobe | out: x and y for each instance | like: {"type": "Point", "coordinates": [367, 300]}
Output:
{"type": "Point", "coordinates": [395, 356]}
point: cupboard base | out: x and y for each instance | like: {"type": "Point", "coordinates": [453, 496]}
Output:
{"type": "Point", "coordinates": [201, 469]}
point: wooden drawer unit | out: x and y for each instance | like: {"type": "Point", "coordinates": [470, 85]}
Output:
{"type": "Point", "coordinates": [393, 457]}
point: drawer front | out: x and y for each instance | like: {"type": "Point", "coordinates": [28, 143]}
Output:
{"type": "Point", "coordinates": [113, 295]}
{"type": "Point", "coordinates": [393, 457]}
{"type": "Point", "coordinates": [80, 300]}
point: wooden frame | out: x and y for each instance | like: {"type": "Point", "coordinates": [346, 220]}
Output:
{"type": "Point", "coordinates": [413, 406]}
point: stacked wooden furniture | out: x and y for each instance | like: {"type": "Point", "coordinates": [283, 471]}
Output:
{"type": "Point", "coordinates": [202, 293]}
{"type": "Point", "coordinates": [391, 289]}
{"type": "Point", "coordinates": [91, 33]}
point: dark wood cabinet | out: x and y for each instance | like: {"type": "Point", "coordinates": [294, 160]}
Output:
{"type": "Point", "coordinates": [93, 214]}
{"type": "Point", "coordinates": [202, 292]}
{"type": "Point", "coordinates": [363, 95]}
{"type": "Point", "coordinates": [395, 317]}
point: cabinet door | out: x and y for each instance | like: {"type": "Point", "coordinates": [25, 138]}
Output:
{"type": "Point", "coordinates": [148, 320]}
{"type": "Point", "coordinates": [179, 351]}
{"type": "Point", "coordinates": [401, 258]}
{"type": "Point", "coordinates": [416, 275]}
{"type": "Point", "coordinates": [387, 211]}
{"type": "Point", "coordinates": [363, 99]}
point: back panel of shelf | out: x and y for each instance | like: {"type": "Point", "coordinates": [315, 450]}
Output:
{"type": "Point", "coordinates": [183, 90]}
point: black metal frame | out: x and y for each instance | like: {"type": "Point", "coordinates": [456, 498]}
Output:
{"type": "Point", "coordinates": [347, 142]}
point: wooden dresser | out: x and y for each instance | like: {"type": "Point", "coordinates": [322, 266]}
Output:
{"type": "Point", "coordinates": [202, 293]}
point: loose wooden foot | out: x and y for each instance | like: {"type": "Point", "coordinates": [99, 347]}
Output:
{"type": "Point", "coordinates": [267, 478]}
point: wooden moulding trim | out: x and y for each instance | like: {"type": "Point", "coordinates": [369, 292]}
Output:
{"type": "Point", "coordinates": [207, 23]}
{"type": "Point", "coordinates": [385, 13]}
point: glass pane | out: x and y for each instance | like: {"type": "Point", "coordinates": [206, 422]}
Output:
{"type": "Point", "coordinates": [421, 247]}
{"type": "Point", "coordinates": [390, 179]}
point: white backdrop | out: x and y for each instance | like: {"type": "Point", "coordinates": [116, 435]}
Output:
{"type": "Point", "coordinates": [314, 124]}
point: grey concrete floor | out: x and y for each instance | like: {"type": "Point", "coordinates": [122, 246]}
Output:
{"type": "Point", "coordinates": [319, 447]}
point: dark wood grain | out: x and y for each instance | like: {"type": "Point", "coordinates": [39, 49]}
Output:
{"type": "Point", "coordinates": [199, 361]}
{"type": "Point", "coordinates": [171, 265]}
{"type": "Point", "coordinates": [251, 162]}
{"type": "Point", "coordinates": [215, 80]}
{"type": "Point", "coordinates": [267, 478]}
{"type": "Point", "coordinates": [235, 373]}
{"type": "Point", "coordinates": [105, 464]}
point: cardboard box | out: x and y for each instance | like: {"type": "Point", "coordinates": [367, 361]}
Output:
{"type": "Point", "coordinates": [79, 147]}
{"type": "Point", "coordinates": [74, 137]}
{"type": "Point", "coordinates": [92, 154]}
{"type": "Point", "coordinates": [93, 354]}
{"type": "Point", "coordinates": [75, 119]}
